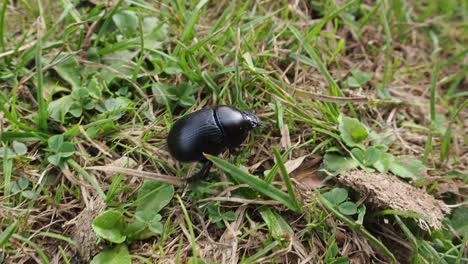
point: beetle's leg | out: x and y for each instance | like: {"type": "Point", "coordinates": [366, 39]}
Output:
{"type": "Point", "coordinates": [202, 172]}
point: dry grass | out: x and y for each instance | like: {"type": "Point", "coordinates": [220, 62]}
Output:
{"type": "Point", "coordinates": [63, 199]}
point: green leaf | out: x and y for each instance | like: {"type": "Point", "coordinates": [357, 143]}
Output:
{"type": "Point", "coordinates": [117, 255]}
{"type": "Point", "coordinates": [336, 164]}
{"type": "Point", "coordinates": [6, 234]}
{"type": "Point", "coordinates": [371, 156]}
{"type": "Point", "coordinates": [23, 183]}
{"type": "Point", "coordinates": [352, 132]}
{"type": "Point", "coordinates": [29, 194]}
{"type": "Point", "coordinates": [348, 208]}
{"type": "Point", "coordinates": [358, 154]}
{"type": "Point", "coordinates": [136, 230]}
{"type": "Point", "coordinates": [361, 213]}
{"type": "Point", "coordinates": [214, 212]}
{"type": "Point", "coordinates": [384, 162]}
{"type": "Point", "coordinates": [144, 216]}
{"type": "Point", "coordinates": [66, 150]}
{"type": "Point", "coordinates": [230, 216]}
{"type": "Point", "coordinates": [55, 142]}
{"type": "Point", "coordinates": [19, 148]}
{"type": "Point", "coordinates": [54, 159]}
{"type": "Point", "coordinates": [156, 227]}
{"type": "Point", "coordinates": [59, 108]}
{"type": "Point", "coordinates": [110, 225]}
{"type": "Point", "coordinates": [94, 88]}
{"type": "Point", "coordinates": [459, 221]}
{"type": "Point", "coordinates": [155, 32]}
{"type": "Point", "coordinates": [7, 153]}
{"type": "Point", "coordinates": [182, 94]}
{"type": "Point", "coordinates": [69, 70]}
{"type": "Point", "coordinates": [256, 183]}
{"type": "Point", "coordinates": [407, 168]}
{"type": "Point", "coordinates": [336, 196]}
{"type": "Point", "coordinates": [277, 226]}
{"type": "Point", "coordinates": [152, 197]}
{"type": "Point", "coordinates": [126, 22]}
{"type": "Point", "coordinates": [358, 79]}
{"type": "Point", "coordinates": [113, 105]}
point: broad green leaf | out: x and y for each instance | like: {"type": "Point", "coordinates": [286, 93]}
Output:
{"type": "Point", "coordinates": [144, 216]}
{"type": "Point", "coordinates": [126, 22]}
{"type": "Point", "coordinates": [54, 159]}
{"type": "Point", "coordinates": [55, 142]}
{"type": "Point", "coordinates": [256, 183]}
{"type": "Point", "coordinates": [382, 140]}
{"type": "Point", "coordinates": [336, 195]}
{"type": "Point", "coordinates": [152, 197]}
{"type": "Point", "coordinates": [183, 94]}
{"type": "Point", "coordinates": [459, 221]}
{"type": "Point", "coordinates": [94, 88]}
{"type": "Point", "coordinates": [336, 164]}
{"type": "Point", "coordinates": [7, 153]}
{"type": "Point", "coordinates": [277, 226]}
{"type": "Point", "coordinates": [156, 227]}
{"type": "Point", "coordinates": [214, 212]}
{"type": "Point", "coordinates": [137, 230]}
{"type": "Point", "coordinates": [352, 132]}
{"type": "Point", "coordinates": [59, 108]}
{"type": "Point", "coordinates": [155, 32]}
{"type": "Point", "coordinates": [384, 161]}
{"type": "Point", "coordinates": [121, 65]}
{"type": "Point", "coordinates": [66, 150]}
{"type": "Point", "coordinates": [29, 194]}
{"type": "Point", "coordinates": [358, 154]}
{"type": "Point", "coordinates": [110, 225]}
{"type": "Point", "coordinates": [371, 156]}
{"type": "Point", "coordinates": [19, 148]}
{"type": "Point", "coordinates": [230, 216]}
{"type": "Point", "coordinates": [23, 183]}
{"type": "Point", "coordinates": [407, 168]}
{"type": "Point", "coordinates": [113, 105]}
{"type": "Point", "coordinates": [117, 255]}
{"type": "Point", "coordinates": [69, 70]}
{"type": "Point", "coordinates": [358, 79]}
{"type": "Point", "coordinates": [348, 208]}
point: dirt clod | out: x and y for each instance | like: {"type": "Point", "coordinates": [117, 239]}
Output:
{"type": "Point", "coordinates": [388, 192]}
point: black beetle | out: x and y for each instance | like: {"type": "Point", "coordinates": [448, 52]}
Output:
{"type": "Point", "coordinates": [211, 131]}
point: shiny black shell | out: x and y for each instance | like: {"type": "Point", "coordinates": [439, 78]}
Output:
{"type": "Point", "coordinates": [209, 130]}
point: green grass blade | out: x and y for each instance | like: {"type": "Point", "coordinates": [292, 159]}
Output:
{"type": "Point", "coordinates": [286, 178]}
{"type": "Point", "coordinates": [87, 177]}
{"type": "Point", "coordinates": [189, 27]}
{"type": "Point", "coordinates": [42, 114]}
{"type": "Point", "coordinates": [256, 183]}
{"type": "Point", "coordinates": [356, 227]}
{"type": "Point", "coordinates": [2, 25]}
{"type": "Point", "coordinates": [7, 172]}
{"type": "Point", "coordinates": [6, 234]}
{"type": "Point", "coordinates": [38, 250]}
{"type": "Point", "coordinates": [190, 227]}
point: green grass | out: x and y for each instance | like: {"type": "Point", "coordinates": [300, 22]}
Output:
{"type": "Point", "coordinates": [85, 85]}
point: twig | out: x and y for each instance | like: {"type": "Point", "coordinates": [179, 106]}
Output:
{"type": "Point", "coordinates": [141, 174]}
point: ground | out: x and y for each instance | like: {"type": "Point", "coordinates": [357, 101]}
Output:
{"type": "Point", "coordinates": [361, 155]}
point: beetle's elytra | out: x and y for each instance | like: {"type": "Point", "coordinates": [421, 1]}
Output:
{"type": "Point", "coordinates": [211, 131]}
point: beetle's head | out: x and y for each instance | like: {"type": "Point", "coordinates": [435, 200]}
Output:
{"type": "Point", "coordinates": [252, 119]}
